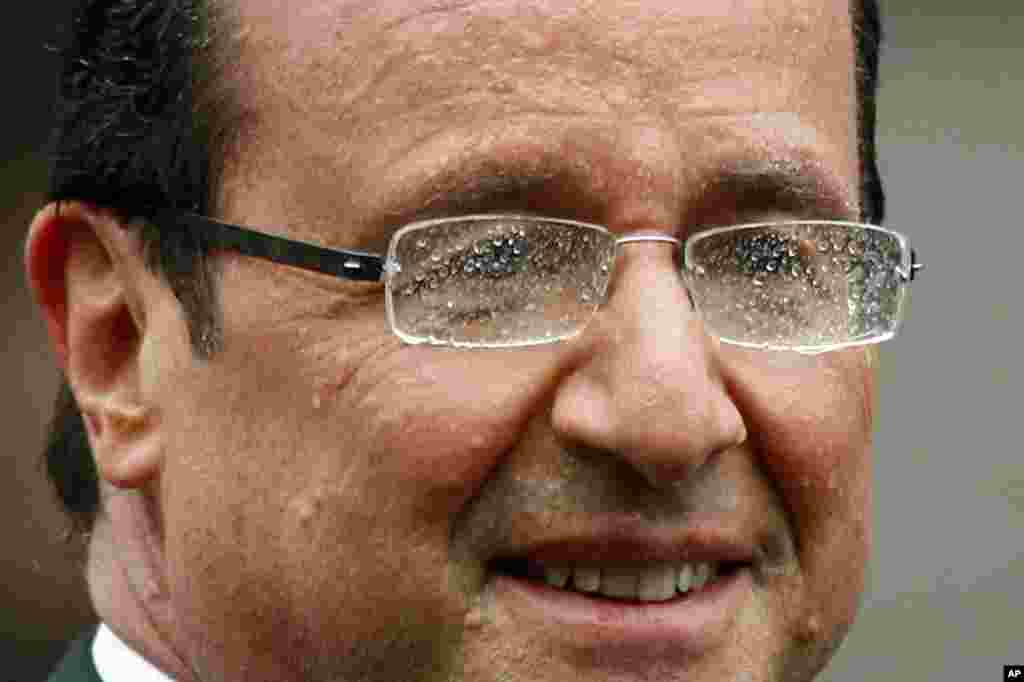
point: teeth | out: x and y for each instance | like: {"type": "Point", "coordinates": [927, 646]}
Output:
{"type": "Point", "coordinates": [685, 578]}
{"type": "Point", "coordinates": [647, 582]}
{"type": "Point", "coordinates": [658, 583]}
{"type": "Point", "coordinates": [586, 578]}
{"type": "Point", "coordinates": [557, 575]}
{"type": "Point", "coordinates": [619, 581]}
{"type": "Point", "coordinates": [701, 574]}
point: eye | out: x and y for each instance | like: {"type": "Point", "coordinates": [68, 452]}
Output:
{"type": "Point", "coordinates": [770, 252]}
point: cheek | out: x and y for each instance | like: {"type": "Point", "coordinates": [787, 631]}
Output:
{"type": "Point", "coordinates": [297, 449]}
{"type": "Point", "coordinates": [433, 428]}
{"type": "Point", "coordinates": [274, 482]}
{"type": "Point", "coordinates": [809, 419]}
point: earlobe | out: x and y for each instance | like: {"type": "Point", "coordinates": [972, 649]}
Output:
{"type": "Point", "coordinates": [84, 266]}
{"type": "Point", "coordinates": [125, 443]}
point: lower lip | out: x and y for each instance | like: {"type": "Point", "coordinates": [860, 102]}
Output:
{"type": "Point", "coordinates": [691, 623]}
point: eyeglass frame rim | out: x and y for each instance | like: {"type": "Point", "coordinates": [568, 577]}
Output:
{"type": "Point", "coordinates": [377, 268]}
{"type": "Point", "coordinates": [369, 267]}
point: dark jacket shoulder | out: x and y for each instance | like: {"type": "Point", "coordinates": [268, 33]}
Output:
{"type": "Point", "coordinates": [77, 664]}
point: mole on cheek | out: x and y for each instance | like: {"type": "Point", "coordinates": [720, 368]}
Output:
{"type": "Point", "coordinates": [306, 509]}
{"type": "Point", "coordinates": [809, 630]}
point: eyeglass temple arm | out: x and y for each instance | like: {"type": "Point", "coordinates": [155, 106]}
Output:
{"type": "Point", "coordinates": [351, 265]}
{"type": "Point", "coordinates": [914, 267]}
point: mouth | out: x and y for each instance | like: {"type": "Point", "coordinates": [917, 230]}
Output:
{"type": "Point", "coordinates": [637, 583]}
{"type": "Point", "coordinates": [643, 603]}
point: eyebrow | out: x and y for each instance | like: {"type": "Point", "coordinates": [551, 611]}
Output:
{"type": "Point", "coordinates": [486, 184]}
{"type": "Point", "coordinates": [795, 185]}
{"type": "Point", "coordinates": [560, 187]}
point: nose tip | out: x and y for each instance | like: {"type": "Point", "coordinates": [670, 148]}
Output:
{"type": "Point", "coordinates": [647, 386]}
{"type": "Point", "coordinates": [664, 430]}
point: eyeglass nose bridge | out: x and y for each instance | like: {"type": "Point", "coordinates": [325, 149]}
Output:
{"type": "Point", "coordinates": [631, 239]}
{"type": "Point", "coordinates": [640, 238]}
{"type": "Point", "coordinates": [656, 238]}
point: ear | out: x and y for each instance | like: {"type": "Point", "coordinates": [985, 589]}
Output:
{"type": "Point", "coordinates": [87, 272]}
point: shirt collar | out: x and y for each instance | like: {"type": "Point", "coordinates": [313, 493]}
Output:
{"type": "Point", "coordinates": [116, 662]}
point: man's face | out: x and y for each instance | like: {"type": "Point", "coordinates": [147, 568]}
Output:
{"type": "Point", "coordinates": [337, 505]}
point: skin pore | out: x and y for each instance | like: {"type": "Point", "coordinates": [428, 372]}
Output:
{"type": "Point", "coordinates": [321, 502]}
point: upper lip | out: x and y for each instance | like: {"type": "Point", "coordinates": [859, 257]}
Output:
{"type": "Point", "coordinates": [628, 542]}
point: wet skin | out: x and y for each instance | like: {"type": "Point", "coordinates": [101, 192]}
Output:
{"type": "Point", "coordinates": [330, 502]}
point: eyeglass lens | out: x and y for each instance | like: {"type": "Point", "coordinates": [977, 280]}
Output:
{"type": "Point", "coordinates": [805, 286]}
{"type": "Point", "coordinates": [500, 281]}
{"type": "Point", "coordinates": [497, 282]}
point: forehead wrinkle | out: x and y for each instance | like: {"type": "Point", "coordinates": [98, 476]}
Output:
{"type": "Point", "coordinates": [339, 117]}
{"type": "Point", "coordinates": [629, 48]}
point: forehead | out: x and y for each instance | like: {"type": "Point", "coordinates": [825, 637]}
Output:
{"type": "Point", "coordinates": [358, 108]}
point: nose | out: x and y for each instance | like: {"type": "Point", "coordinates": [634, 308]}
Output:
{"type": "Point", "coordinates": [645, 386]}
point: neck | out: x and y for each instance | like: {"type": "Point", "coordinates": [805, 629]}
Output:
{"type": "Point", "coordinates": [128, 585]}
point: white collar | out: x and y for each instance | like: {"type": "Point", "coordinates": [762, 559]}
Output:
{"type": "Point", "coordinates": [116, 662]}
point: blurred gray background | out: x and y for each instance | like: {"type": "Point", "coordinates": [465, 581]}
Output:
{"type": "Point", "coordinates": [946, 591]}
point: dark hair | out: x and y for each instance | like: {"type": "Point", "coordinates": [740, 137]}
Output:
{"type": "Point", "coordinates": [144, 116]}
{"type": "Point", "coordinates": [867, 27]}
